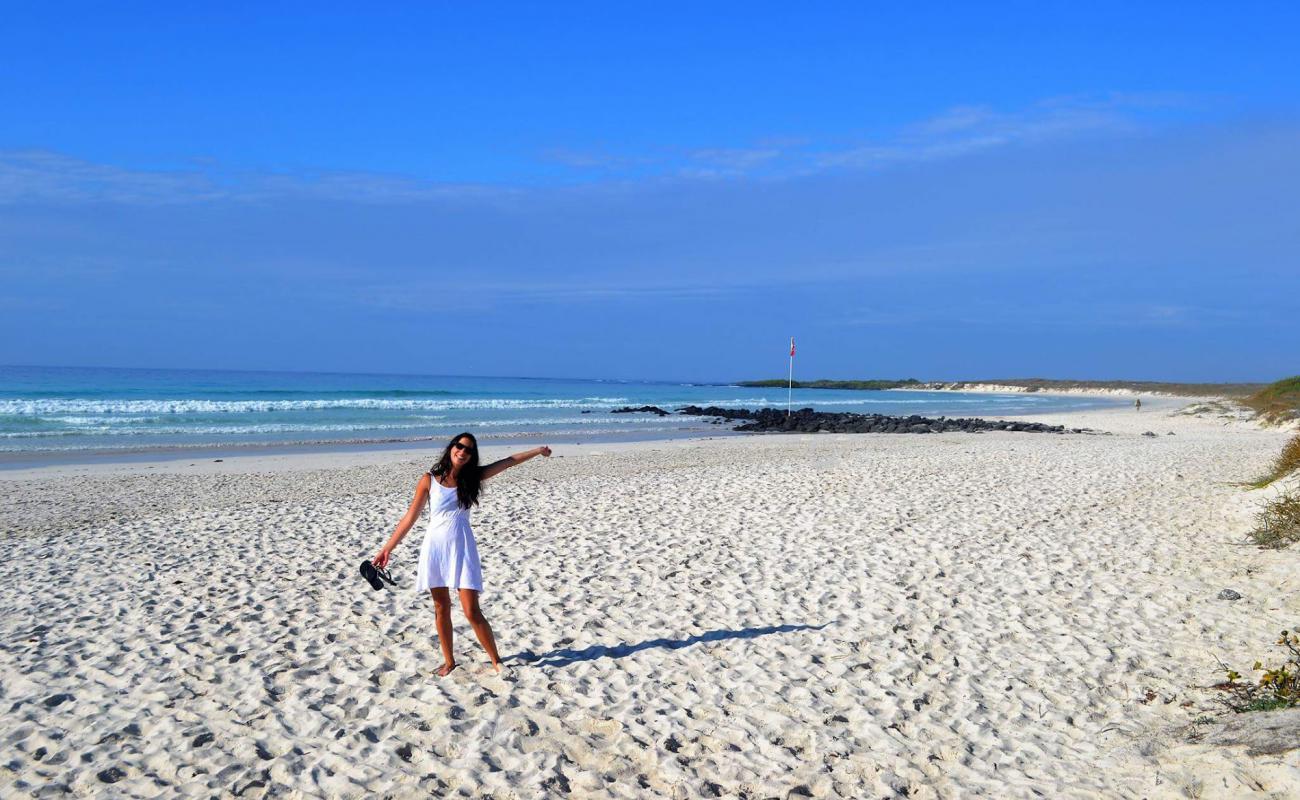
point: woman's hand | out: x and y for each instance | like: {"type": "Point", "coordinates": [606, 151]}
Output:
{"type": "Point", "coordinates": [381, 559]}
{"type": "Point", "coordinates": [544, 451]}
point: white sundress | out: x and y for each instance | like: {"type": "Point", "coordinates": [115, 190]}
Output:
{"type": "Point", "coordinates": [448, 556]}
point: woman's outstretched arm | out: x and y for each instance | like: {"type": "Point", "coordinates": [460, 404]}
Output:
{"type": "Point", "coordinates": [497, 467]}
{"type": "Point", "coordinates": [408, 520]}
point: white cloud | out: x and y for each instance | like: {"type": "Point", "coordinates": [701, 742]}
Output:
{"type": "Point", "coordinates": [42, 176]}
{"type": "Point", "coordinates": [39, 176]}
{"type": "Point", "coordinates": [1096, 314]}
{"type": "Point", "coordinates": [485, 295]}
{"type": "Point", "coordinates": [969, 129]}
{"type": "Point", "coordinates": [954, 132]}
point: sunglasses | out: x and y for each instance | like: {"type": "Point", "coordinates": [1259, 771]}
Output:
{"type": "Point", "coordinates": [459, 446]}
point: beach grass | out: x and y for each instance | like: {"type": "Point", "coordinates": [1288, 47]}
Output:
{"type": "Point", "coordinates": [1278, 524]}
{"type": "Point", "coordinates": [1287, 462]}
{"type": "Point", "coordinates": [1277, 402]}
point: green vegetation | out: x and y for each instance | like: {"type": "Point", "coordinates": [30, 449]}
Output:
{"type": "Point", "coordinates": [1276, 688]}
{"type": "Point", "coordinates": [867, 385]}
{"type": "Point", "coordinates": [1278, 525]}
{"type": "Point", "coordinates": [1277, 402]}
{"type": "Point", "coordinates": [1288, 461]}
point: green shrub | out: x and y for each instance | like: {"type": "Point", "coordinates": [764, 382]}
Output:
{"type": "Point", "coordinates": [1276, 688]}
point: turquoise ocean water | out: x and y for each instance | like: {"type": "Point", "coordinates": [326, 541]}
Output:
{"type": "Point", "coordinates": [64, 409]}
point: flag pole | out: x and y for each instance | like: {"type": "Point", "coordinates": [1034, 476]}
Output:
{"type": "Point", "coordinates": [789, 387]}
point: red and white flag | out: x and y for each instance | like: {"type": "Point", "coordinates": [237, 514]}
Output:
{"type": "Point", "coordinates": [791, 347]}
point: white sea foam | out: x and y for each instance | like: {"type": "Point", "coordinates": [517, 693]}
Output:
{"type": "Point", "coordinates": [70, 441]}
{"type": "Point", "coordinates": [70, 408]}
{"type": "Point", "coordinates": [72, 423]}
{"type": "Point", "coordinates": [201, 430]}
{"type": "Point", "coordinates": [130, 426]}
{"type": "Point", "coordinates": [152, 422]}
{"type": "Point", "coordinates": [56, 406]}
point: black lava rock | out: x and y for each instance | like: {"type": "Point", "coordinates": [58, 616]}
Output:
{"type": "Point", "coordinates": [646, 409]}
{"type": "Point", "coordinates": [805, 420]}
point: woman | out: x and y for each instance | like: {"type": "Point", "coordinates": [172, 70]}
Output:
{"type": "Point", "coordinates": [448, 557]}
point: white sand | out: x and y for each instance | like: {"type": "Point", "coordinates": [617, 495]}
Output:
{"type": "Point", "coordinates": [855, 616]}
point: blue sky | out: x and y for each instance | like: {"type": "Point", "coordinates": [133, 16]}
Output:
{"type": "Point", "coordinates": [654, 190]}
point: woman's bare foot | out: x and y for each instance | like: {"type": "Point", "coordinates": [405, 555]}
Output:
{"type": "Point", "coordinates": [446, 669]}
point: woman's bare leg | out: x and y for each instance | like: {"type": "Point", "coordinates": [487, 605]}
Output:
{"type": "Point", "coordinates": [442, 615]}
{"type": "Point", "coordinates": [469, 604]}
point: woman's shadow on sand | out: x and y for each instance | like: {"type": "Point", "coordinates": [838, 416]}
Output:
{"type": "Point", "coordinates": [563, 657]}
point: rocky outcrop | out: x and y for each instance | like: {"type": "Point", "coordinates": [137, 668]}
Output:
{"type": "Point", "coordinates": [646, 409]}
{"type": "Point", "coordinates": [805, 420]}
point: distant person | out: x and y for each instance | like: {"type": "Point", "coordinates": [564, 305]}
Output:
{"type": "Point", "coordinates": [449, 557]}
{"type": "Point", "coordinates": [1137, 403]}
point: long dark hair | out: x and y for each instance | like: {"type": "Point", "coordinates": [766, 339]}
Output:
{"type": "Point", "coordinates": [470, 477]}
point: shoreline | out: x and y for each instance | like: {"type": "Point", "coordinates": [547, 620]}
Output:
{"type": "Point", "coordinates": [26, 466]}
{"type": "Point", "coordinates": [316, 459]}
{"type": "Point", "coordinates": [23, 461]}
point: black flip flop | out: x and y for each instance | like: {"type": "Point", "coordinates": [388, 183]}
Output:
{"type": "Point", "coordinates": [375, 576]}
